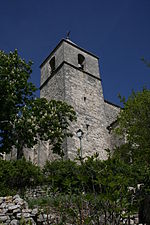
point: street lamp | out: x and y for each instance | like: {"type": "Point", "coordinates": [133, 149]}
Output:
{"type": "Point", "coordinates": [80, 136]}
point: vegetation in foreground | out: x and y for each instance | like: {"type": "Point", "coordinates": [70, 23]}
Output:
{"type": "Point", "coordinates": [99, 192]}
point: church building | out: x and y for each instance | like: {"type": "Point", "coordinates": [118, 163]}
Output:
{"type": "Point", "coordinates": [71, 74]}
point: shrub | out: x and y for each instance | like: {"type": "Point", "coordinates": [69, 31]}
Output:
{"type": "Point", "coordinates": [62, 175]}
{"type": "Point", "coordinates": [16, 176]}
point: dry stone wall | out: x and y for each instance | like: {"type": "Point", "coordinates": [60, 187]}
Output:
{"type": "Point", "coordinates": [15, 211]}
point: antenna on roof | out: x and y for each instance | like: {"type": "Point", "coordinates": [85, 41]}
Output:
{"type": "Point", "coordinates": [68, 35]}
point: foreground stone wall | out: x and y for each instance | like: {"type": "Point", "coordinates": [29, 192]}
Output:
{"type": "Point", "coordinates": [15, 211]}
{"type": "Point", "coordinates": [38, 192]}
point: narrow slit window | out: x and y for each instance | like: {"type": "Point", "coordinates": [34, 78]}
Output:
{"type": "Point", "coordinates": [52, 64]}
{"type": "Point", "coordinates": [81, 61]}
{"type": "Point", "coordinates": [87, 126]}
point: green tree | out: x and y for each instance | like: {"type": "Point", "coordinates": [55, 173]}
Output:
{"type": "Point", "coordinates": [23, 119]}
{"type": "Point", "coordinates": [15, 92]}
{"type": "Point", "coordinates": [43, 120]}
{"type": "Point", "coordinates": [134, 125]}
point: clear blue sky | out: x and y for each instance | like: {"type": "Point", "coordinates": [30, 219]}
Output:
{"type": "Point", "coordinates": [118, 31]}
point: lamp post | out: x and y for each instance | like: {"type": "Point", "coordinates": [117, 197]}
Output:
{"type": "Point", "coordinates": [80, 136]}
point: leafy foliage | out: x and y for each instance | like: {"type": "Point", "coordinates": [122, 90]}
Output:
{"type": "Point", "coordinates": [91, 192]}
{"type": "Point", "coordinates": [134, 123]}
{"type": "Point", "coordinates": [62, 176]}
{"type": "Point", "coordinates": [93, 189]}
{"type": "Point", "coordinates": [25, 120]}
{"type": "Point", "coordinates": [15, 93]}
{"type": "Point", "coordinates": [16, 176]}
{"type": "Point", "coordinates": [43, 120]}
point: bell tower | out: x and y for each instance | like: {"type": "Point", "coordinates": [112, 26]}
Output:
{"type": "Point", "coordinates": [71, 74]}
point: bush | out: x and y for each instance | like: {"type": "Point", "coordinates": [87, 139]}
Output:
{"type": "Point", "coordinates": [16, 176]}
{"type": "Point", "coordinates": [62, 175]}
{"type": "Point", "coordinates": [95, 188]}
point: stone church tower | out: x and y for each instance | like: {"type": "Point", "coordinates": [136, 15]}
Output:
{"type": "Point", "coordinates": [71, 74]}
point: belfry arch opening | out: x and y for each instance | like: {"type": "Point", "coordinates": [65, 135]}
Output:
{"type": "Point", "coordinates": [52, 64]}
{"type": "Point", "coordinates": [81, 61]}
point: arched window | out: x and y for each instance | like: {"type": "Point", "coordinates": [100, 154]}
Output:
{"type": "Point", "coordinates": [81, 61]}
{"type": "Point", "coordinates": [52, 64]}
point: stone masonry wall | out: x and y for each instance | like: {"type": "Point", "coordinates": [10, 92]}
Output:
{"type": "Point", "coordinates": [111, 112]}
{"type": "Point", "coordinates": [15, 211]}
{"type": "Point", "coordinates": [54, 89]}
{"type": "Point", "coordinates": [84, 93]}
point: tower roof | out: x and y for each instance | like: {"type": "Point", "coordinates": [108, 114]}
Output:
{"type": "Point", "coordinates": [71, 43]}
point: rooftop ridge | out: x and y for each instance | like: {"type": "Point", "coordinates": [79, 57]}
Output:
{"type": "Point", "coordinates": [71, 43]}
